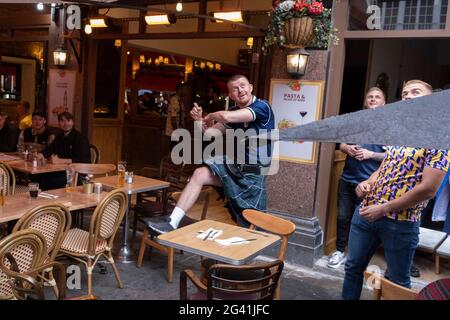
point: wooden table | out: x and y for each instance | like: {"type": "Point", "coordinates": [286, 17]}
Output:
{"type": "Point", "coordinates": [140, 184]}
{"type": "Point", "coordinates": [9, 156]}
{"type": "Point", "coordinates": [27, 167]}
{"type": "Point", "coordinates": [17, 205]}
{"type": "Point", "coordinates": [186, 239]}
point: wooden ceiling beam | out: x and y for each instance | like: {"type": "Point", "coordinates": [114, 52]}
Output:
{"type": "Point", "coordinates": [180, 35]}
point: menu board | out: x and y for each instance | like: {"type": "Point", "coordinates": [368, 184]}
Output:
{"type": "Point", "coordinates": [294, 103]}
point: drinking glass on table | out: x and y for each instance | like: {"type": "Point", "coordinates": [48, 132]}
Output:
{"type": "Point", "coordinates": [121, 168]}
{"type": "Point", "coordinates": [33, 188]}
{"type": "Point", "coordinates": [69, 177]}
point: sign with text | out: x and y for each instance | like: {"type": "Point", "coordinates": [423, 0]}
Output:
{"type": "Point", "coordinates": [61, 92]}
{"type": "Point", "coordinates": [294, 103]}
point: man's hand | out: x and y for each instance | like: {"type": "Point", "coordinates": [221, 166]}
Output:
{"type": "Point", "coordinates": [363, 154]}
{"type": "Point", "coordinates": [375, 212]}
{"type": "Point", "coordinates": [196, 112]}
{"type": "Point", "coordinates": [352, 150]}
{"type": "Point", "coordinates": [362, 189]}
{"type": "Point", "coordinates": [57, 160]}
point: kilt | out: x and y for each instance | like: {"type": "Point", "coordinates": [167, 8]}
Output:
{"type": "Point", "coordinates": [247, 191]}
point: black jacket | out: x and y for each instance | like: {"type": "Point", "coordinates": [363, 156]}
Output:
{"type": "Point", "coordinates": [74, 146]}
{"type": "Point", "coordinates": [8, 138]}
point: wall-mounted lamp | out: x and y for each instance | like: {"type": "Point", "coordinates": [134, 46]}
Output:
{"type": "Point", "coordinates": [297, 60]}
{"type": "Point", "coordinates": [160, 19]}
{"type": "Point", "coordinates": [235, 16]}
{"type": "Point", "coordinates": [117, 43]}
{"type": "Point", "coordinates": [60, 57]}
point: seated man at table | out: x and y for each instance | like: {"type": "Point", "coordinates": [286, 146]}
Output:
{"type": "Point", "coordinates": [8, 135]}
{"type": "Point", "coordinates": [38, 133]}
{"type": "Point", "coordinates": [70, 146]}
{"type": "Point", "coordinates": [243, 183]}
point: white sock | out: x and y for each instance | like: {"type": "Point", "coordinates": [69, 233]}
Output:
{"type": "Point", "coordinates": [176, 216]}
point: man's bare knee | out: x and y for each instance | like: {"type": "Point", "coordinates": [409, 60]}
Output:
{"type": "Point", "coordinates": [201, 176]}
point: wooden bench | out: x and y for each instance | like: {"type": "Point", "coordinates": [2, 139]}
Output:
{"type": "Point", "coordinates": [429, 241]}
{"type": "Point", "coordinates": [442, 252]}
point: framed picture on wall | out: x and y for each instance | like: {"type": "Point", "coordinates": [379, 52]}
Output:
{"type": "Point", "coordinates": [294, 103]}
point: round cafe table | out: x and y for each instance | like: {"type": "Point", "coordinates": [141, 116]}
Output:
{"type": "Point", "coordinates": [436, 290]}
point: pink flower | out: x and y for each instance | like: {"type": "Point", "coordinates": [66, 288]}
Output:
{"type": "Point", "coordinates": [316, 8]}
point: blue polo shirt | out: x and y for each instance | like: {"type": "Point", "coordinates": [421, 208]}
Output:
{"type": "Point", "coordinates": [263, 119]}
{"type": "Point", "coordinates": [356, 171]}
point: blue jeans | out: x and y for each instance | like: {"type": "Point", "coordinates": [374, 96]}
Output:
{"type": "Point", "coordinates": [347, 202]}
{"type": "Point", "coordinates": [399, 239]}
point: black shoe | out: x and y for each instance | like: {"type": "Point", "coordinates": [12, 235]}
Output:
{"type": "Point", "coordinates": [386, 274]}
{"type": "Point", "coordinates": [160, 226]}
{"type": "Point", "coordinates": [415, 272]}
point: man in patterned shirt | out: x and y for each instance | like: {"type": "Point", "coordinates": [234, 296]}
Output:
{"type": "Point", "coordinates": [389, 214]}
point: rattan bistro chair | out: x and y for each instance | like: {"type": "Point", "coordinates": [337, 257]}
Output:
{"type": "Point", "coordinates": [53, 221]}
{"type": "Point", "coordinates": [7, 179]}
{"type": "Point", "coordinates": [22, 260]}
{"type": "Point", "coordinates": [248, 287]}
{"type": "Point", "coordinates": [89, 246]}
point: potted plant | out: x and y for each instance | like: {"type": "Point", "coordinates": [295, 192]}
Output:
{"type": "Point", "coordinates": [299, 23]}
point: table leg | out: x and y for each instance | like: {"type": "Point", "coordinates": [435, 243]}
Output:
{"type": "Point", "coordinates": [125, 255]}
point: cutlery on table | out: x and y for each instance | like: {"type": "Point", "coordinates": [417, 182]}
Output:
{"type": "Point", "coordinates": [243, 240]}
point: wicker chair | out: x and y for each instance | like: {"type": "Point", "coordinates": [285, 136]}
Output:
{"type": "Point", "coordinates": [53, 221]}
{"type": "Point", "coordinates": [89, 246]}
{"type": "Point", "coordinates": [22, 260]}
{"type": "Point", "coordinates": [95, 153]}
{"type": "Point", "coordinates": [7, 179]}
{"type": "Point", "coordinates": [248, 287]}
{"type": "Point", "coordinates": [148, 235]}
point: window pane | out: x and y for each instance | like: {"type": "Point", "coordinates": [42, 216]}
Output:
{"type": "Point", "coordinates": [397, 14]}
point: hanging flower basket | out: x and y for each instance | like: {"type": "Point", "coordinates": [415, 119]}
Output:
{"type": "Point", "coordinates": [299, 23]}
{"type": "Point", "coordinates": [298, 32]}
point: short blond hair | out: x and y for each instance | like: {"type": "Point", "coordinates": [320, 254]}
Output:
{"type": "Point", "coordinates": [376, 89]}
{"type": "Point", "coordinates": [423, 83]}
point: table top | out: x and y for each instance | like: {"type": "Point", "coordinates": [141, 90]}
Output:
{"type": "Point", "coordinates": [9, 156]}
{"type": "Point", "coordinates": [140, 184]}
{"type": "Point", "coordinates": [186, 239]}
{"type": "Point", "coordinates": [27, 167]}
{"type": "Point", "coordinates": [17, 205]}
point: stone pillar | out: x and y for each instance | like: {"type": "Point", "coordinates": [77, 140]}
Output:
{"type": "Point", "coordinates": [292, 191]}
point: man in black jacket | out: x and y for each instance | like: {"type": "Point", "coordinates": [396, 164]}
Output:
{"type": "Point", "coordinates": [70, 146]}
{"type": "Point", "coordinates": [8, 135]}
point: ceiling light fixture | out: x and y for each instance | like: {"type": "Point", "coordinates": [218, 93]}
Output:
{"type": "Point", "coordinates": [88, 29]}
{"type": "Point", "coordinates": [160, 19]}
{"type": "Point", "coordinates": [179, 6]}
{"type": "Point", "coordinates": [40, 6]}
{"type": "Point", "coordinates": [235, 16]}
{"type": "Point", "coordinates": [98, 23]}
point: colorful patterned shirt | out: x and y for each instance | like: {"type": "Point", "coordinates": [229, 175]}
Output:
{"type": "Point", "coordinates": [401, 171]}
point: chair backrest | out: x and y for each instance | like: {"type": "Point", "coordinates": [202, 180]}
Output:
{"type": "Point", "coordinates": [28, 249]}
{"type": "Point", "coordinates": [89, 168]}
{"type": "Point", "coordinates": [106, 219]}
{"type": "Point", "coordinates": [95, 154]}
{"type": "Point", "coordinates": [387, 290]}
{"type": "Point", "coordinates": [7, 179]}
{"type": "Point", "coordinates": [171, 173]}
{"type": "Point", "coordinates": [276, 225]}
{"type": "Point", "coordinates": [251, 287]}
{"type": "Point", "coordinates": [203, 197]}
{"type": "Point", "coordinates": [52, 220]}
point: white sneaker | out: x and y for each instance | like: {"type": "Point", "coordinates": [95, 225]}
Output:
{"type": "Point", "coordinates": [336, 259]}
